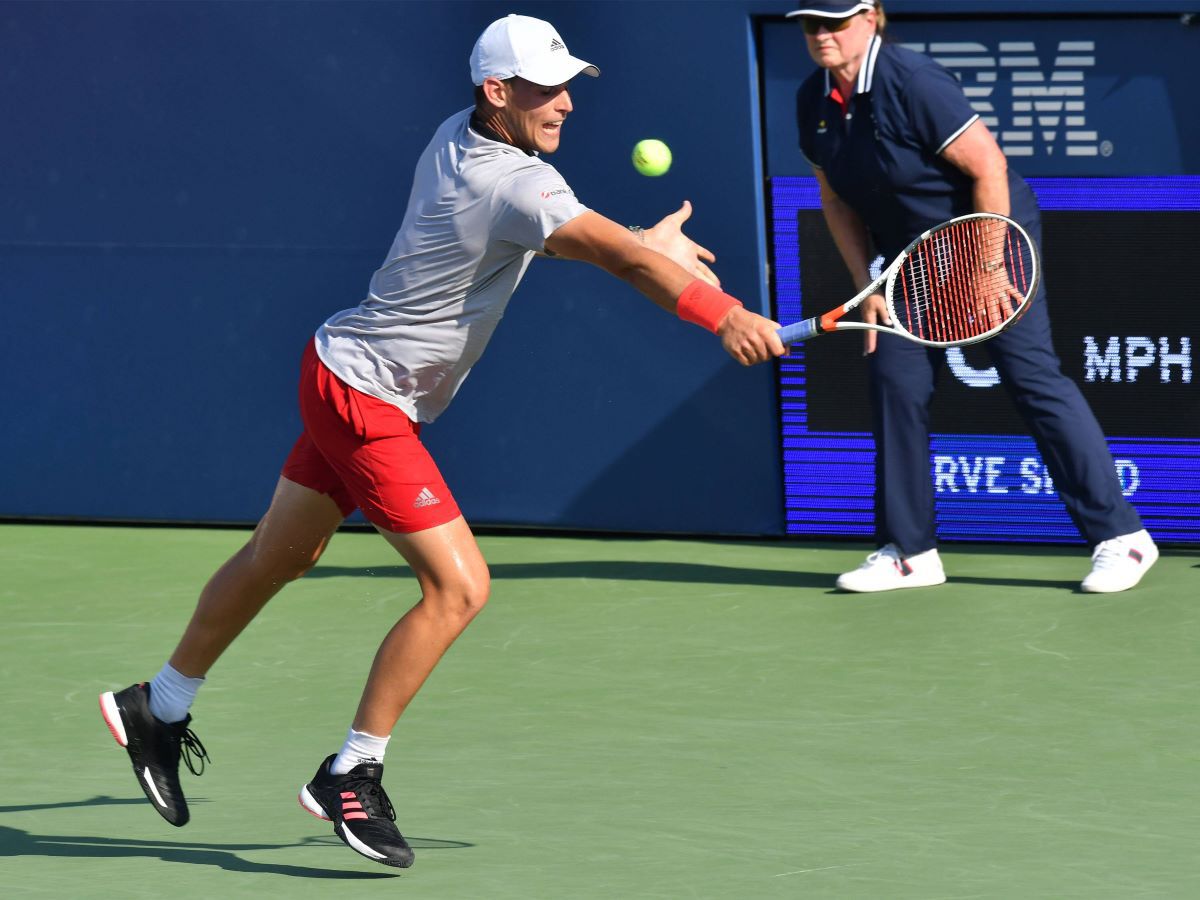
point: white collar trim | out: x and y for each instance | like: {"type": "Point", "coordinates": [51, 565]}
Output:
{"type": "Point", "coordinates": [866, 72]}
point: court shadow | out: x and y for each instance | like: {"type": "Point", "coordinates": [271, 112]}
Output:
{"type": "Point", "coordinates": [612, 570]}
{"type": "Point", "coordinates": [1067, 584]}
{"type": "Point", "coordinates": [694, 573]}
{"type": "Point", "coordinates": [98, 800]}
{"type": "Point", "coordinates": [15, 842]}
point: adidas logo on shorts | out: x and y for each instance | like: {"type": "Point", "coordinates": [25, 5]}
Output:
{"type": "Point", "coordinates": [425, 498]}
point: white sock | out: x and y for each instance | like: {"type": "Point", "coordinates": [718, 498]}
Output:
{"type": "Point", "coordinates": [172, 694]}
{"type": "Point", "coordinates": [360, 747]}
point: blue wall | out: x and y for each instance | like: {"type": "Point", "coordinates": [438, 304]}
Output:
{"type": "Point", "coordinates": [189, 189]}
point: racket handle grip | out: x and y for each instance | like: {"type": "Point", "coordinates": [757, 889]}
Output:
{"type": "Point", "coordinates": [799, 331]}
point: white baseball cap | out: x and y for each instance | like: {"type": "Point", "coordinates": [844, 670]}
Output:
{"type": "Point", "coordinates": [831, 9]}
{"type": "Point", "coordinates": [527, 48]}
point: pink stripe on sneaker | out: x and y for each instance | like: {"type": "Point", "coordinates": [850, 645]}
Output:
{"type": "Point", "coordinates": [355, 815]}
{"type": "Point", "coordinates": [351, 804]}
{"type": "Point", "coordinates": [347, 795]}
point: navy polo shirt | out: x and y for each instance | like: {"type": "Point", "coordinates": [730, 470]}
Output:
{"type": "Point", "coordinates": [884, 156]}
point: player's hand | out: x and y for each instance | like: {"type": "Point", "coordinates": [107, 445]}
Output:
{"type": "Point", "coordinates": [748, 337]}
{"type": "Point", "coordinates": [667, 238]}
{"type": "Point", "coordinates": [874, 311]}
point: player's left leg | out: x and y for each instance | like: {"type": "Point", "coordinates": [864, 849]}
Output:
{"type": "Point", "coordinates": [376, 452]}
{"type": "Point", "coordinates": [1074, 450]}
{"type": "Point", "coordinates": [454, 582]}
{"type": "Point", "coordinates": [347, 788]}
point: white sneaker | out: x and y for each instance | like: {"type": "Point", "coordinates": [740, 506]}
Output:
{"type": "Point", "coordinates": [1119, 563]}
{"type": "Point", "coordinates": [886, 570]}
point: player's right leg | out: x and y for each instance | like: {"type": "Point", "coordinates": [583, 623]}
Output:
{"type": "Point", "coordinates": [287, 542]}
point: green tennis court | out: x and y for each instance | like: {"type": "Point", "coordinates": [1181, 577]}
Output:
{"type": "Point", "coordinates": [627, 719]}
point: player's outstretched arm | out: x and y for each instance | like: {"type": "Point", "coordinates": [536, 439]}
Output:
{"type": "Point", "coordinates": [747, 337]}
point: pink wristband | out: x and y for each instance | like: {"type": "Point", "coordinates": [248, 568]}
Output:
{"type": "Point", "coordinates": [704, 305]}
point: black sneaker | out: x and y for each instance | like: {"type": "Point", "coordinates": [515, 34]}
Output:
{"type": "Point", "coordinates": [154, 748]}
{"type": "Point", "coordinates": [361, 813]}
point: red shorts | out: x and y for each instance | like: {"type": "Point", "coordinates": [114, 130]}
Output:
{"type": "Point", "coordinates": [365, 453]}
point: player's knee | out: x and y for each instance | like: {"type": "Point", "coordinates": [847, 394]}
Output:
{"type": "Point", "coordinates": [474, 593]}
{"type": "Point", "coordinates": [285, 571]}
{"type": "Point", "coordinates": [281, 565]}
{"type": "Point", "coordinates": [463, 598]}
{"type": "Point", "coordinates": [295, 569]}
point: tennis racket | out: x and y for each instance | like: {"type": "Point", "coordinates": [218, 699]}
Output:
{"type": "Point", "coordinates": [964, 281]}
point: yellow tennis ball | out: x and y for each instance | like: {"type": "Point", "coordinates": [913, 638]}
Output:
{"type": "Point", "coordinates": [651, 157]}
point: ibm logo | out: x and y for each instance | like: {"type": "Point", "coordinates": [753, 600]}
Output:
{"type": "Point", "coordinates": [1031, 111]}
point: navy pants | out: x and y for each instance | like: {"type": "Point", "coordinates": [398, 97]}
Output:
{"type": "Point", "coordinates": [903, 376]}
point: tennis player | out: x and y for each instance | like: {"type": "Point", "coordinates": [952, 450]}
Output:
{"type": "Point", "coordinates": [896, 148]}
{"type": "Point", "coordinates": [483, 203]}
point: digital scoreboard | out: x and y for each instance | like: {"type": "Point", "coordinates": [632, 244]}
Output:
{"type": "Point", "coordinates": [1118, 257]}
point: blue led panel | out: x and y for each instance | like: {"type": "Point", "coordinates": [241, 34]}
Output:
{"type": "Point", "coordinates": [1126, 319]}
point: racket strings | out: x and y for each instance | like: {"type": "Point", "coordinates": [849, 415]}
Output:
{"type": "Point", "coordinates": [965, 280]}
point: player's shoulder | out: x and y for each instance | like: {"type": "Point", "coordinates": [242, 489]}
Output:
{"type": "Point", "coordinates": [532, 181]}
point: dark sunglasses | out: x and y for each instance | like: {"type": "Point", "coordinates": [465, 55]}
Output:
{"type": "Point", "coordinates": [813, 25]}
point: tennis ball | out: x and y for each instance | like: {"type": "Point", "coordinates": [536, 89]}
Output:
{"type": "Point", "coordinates": [651, 157]}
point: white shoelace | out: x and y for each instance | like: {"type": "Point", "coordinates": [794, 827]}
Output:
{"type": "Point", "coordinates": [1110, 554]}
{"type": "Point", "coordinates": [887, 555]}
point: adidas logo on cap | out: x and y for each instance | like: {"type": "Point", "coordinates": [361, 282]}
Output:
{"type": "Point", "coordinates": [556, 44]}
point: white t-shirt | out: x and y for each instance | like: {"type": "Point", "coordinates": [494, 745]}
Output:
{"type": "Point", "coordinates": [478, 212]}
